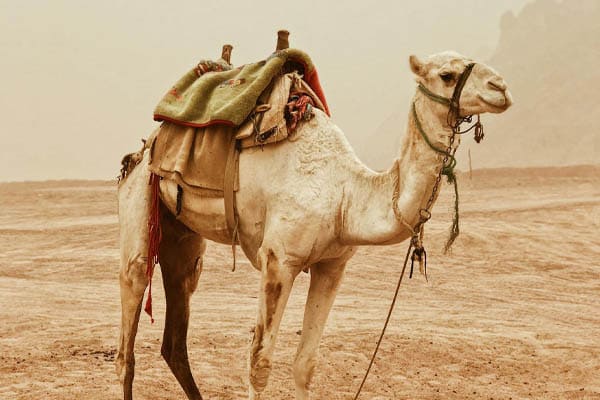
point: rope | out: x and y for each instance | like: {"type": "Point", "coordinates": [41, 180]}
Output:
{"type": "Point", "coordinates": [387, 320]}
{"type": "Point", "coordinates": [435, 97]}
{"type": "Point", "coordinates": [454, 228]}
{"type": "Point", "coordinates": [448, 169]}
{"type": "Point", "coordinates": [396, 197]}
{"type": "Point", "coordinates": [448, 172]}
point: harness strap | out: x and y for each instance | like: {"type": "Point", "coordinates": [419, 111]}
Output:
{"type": "Point", "coordinates": [435, 97]}
{"type": "Point", "coordinates": [179, 200]}
{"type": "Point", "coordinates": [453, 102]}
{"type": "Point", "coordinates": [229, 184]}
{"type": "Point", "coordinates": [454, 112]}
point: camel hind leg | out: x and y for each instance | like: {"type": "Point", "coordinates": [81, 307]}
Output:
{"type": "Point", "coordinates": [134, 205]}
{"type": "Point", "coordinates": [133, 284]}
{"type": "Point", "coordinates": [180, 258]}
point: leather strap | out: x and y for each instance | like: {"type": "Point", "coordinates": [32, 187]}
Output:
{"type": "Point", "coordinates": [229, 186]}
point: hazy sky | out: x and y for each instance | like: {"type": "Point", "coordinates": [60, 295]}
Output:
{"type": "Point", "coordinates": [79, 79]}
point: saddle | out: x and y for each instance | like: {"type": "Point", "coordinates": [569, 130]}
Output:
{"type": "Point", "coordinates": [215, 112]}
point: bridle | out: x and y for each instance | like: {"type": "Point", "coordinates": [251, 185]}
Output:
{"type": "Point", "coordinates": [454, 120]}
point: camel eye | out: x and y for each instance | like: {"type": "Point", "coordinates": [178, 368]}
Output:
{"type": "Point", "coordinates": [447, 76]}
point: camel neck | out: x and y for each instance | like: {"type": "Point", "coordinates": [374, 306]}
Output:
{"type": "Point", "coordinates": [367, 210]}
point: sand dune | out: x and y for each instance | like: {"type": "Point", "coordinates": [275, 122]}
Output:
{"type": "Point", "coordinates": [511, 313]}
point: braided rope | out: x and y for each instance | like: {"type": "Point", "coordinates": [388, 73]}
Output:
{"type": "Point", "coordinates": [448, 172]}
{"type": "Point", "coordinates": [396, 197]}
{"type": "Point", "coordinates": [435, 97]}
{"type": "Point", "coordinates": [447, 169]}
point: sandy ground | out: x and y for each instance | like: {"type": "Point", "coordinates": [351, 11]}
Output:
{"type": "Point", "coordinates": [512, 313]}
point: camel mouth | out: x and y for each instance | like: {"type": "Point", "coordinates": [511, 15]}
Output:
{"type": "Point", "coordinates": [497, 104]}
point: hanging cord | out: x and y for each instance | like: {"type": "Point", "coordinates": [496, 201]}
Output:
{"type": "Point", "coordinates": [387, 320]}
{"type": "Point", "coordinates": [154, 237]}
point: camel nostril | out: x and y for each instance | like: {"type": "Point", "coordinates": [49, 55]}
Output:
{"type": "Point", "coordinates": [497, 85]}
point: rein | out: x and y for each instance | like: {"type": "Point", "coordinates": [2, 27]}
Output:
{"type": "Point", "coordinates": [419, 254]}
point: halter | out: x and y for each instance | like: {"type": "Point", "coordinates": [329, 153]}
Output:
{"type": "Point", "coordinates": [454, 119]}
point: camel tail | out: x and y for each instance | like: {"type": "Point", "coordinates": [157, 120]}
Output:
{"type": "Point", "coordinates": [130, 160]}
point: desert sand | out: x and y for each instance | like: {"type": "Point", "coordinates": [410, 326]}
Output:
{"type": "Point", "coordinates": [512, 313]}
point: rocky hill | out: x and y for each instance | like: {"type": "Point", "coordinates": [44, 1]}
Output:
{"type": "Point", "coordinates": [550, 57]}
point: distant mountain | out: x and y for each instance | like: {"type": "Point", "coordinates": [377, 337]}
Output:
{"type": "Point", "coordinates": [550, 56]}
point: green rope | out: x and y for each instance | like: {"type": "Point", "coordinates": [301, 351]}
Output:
{"type": "Point", "coordinates": [448, 172]}
{"type": "Point", "coordinates": [454, 228]}
{"type": "Point", "coordinates": [448, 169]}
{"type": "Point", "coordinates": [435, 97]}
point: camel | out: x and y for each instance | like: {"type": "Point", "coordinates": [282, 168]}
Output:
{"type": "Point", "coordinates": [305, 204]}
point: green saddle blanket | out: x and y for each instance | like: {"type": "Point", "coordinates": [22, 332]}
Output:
{"type": "Point", "coordinates": [215, 93]}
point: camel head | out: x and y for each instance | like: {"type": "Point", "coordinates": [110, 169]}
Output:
{"type": "Point", "coordinates": [484, 89]}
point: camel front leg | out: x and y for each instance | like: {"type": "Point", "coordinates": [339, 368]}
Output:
{"type": "Point", "coordinates": [325, 278]}
{"type": "Point", "coordinates": [277, 278]}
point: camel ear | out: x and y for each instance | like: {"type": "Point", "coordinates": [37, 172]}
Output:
{"type": "Point", "coordinates": [417, 66]}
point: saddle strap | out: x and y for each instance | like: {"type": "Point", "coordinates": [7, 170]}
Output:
{"type": "Point", "coordinates": [229, 186]}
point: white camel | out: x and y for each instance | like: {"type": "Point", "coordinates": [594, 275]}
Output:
{"type": "Point", "coordinates": [302, 204]}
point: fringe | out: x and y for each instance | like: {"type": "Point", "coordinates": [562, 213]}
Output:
{"type": "Point", "coordinates": [154, 237]}
{"type": "Point", "coordinates": [454, 229]}
{"type": "Point", "coordinates": [299, 107]}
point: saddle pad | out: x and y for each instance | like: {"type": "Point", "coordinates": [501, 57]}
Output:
{"type": "Point", "coordinates": [195, 158]}
{"type": "Point", "coordinates": [211, 93]}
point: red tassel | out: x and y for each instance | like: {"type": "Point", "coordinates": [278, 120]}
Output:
{"type": "Point", "coordinates": [297, 107]}
{"type": "Point", "coordinates": [154, 236]}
